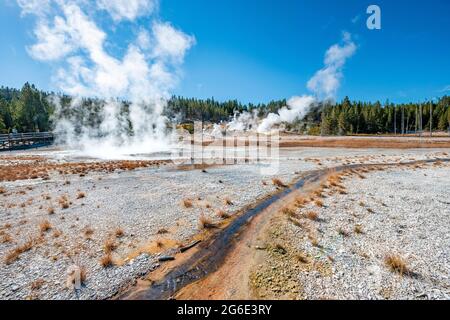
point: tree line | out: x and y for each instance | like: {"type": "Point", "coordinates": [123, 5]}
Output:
{"type": "Point", "coordinates": [30, 109]}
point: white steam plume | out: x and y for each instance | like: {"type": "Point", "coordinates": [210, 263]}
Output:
{"type": "Point", "coordinates": [324, 84]}
{"type": "Point", "coordinates": [327, 80]}
{"type": "Point", "coordinates": [296, 108]}
{"type": "Point", "coordinates": [68, 36]}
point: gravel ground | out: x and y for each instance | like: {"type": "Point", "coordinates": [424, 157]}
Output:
{"type": "Point", "coordinates": [398, 211]}
{"type": "Point", "coordinates": [142, 203]}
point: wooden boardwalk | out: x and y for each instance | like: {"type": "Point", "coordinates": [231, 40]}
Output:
{"type": "Point", "coordinates": [17, 141]}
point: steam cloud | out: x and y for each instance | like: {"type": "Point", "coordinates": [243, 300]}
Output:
{"type": "Point", "coordinates": [324, 84]}
{"type": "Point", "coordinates": [68, 36]}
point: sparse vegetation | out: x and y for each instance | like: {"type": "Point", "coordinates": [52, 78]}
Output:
{"type": "Point", "coordinates": [119, 232]}
{"type": "Point", "coordinates": [88, 232]}
{"type": "Point", "coordinates": [206, 223]}
{"type": "Point", "coordinates": [109, 245]}
{"type": "Point", "coordinates": [228, 201]}
{"type": "Point", "coordinates": [107, 261]}
{"type": "Point", "coordinates": [396, 263]}
{"type": "Point", "coordinates": [358, 229]}
{"type": "Point", "coordinates": [6, 238]}
{"type": "Point", "coordinates": [37, 284]}
{"type": "Point", "coordinates": [50, 210]}
{"type": "Point", "coordinates": [318, 203]}
{"type": "Point", "coordinates": [64, 202]}
{"type": "Point", "coordinates": [81, 195]}
{"type": "Point", "coordinates": [312, 215]}
{"type": "Point", "coordinates": [45, 226]}
{"type": "Point", "coordinates": [222, 214]}
{"type": "Point", "coordinates": [277, 182]}
{"type": "Point", "coordinates": [187, 203]}
{"type": "Point", "coordinates": [162, 231]}
{"type": "Point", "coordinates": [14, 254]}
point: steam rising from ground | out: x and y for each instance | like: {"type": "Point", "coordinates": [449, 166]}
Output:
{"type": "Point", "coordinates": [324, 84]}
{"type": "Point", "coordinates": [69, 35]}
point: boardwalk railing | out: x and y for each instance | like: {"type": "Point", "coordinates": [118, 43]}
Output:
{"type": "Point", "coordinates": [14, 141]}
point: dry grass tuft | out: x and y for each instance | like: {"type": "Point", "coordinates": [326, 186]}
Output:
{"type": "Point", "coordinates": [206, 223]}
{"type": "Point", "coordinates": [37, 284]}
{"type": "Point", "coordinates": [228, 201]}
{"type": "Point", "coordinates": [300, 201]}
{"type": "Point", "coordinates": [2, 190]}
{"type": "Point", "coordinates": [119, 232]}
{"type": "Point", "coordinates": [396, 263]}
{"type": "Point", "coordinates": [14, 254]}
{"type": "Point", "coordinates": [222, 214]}
{"type": "Point", "coordinates": [107, 261]}
{"type": "Point", "coordinates": [109, 245]}
{"type": "Point", "coordinates": [45, 226]}
{"type": "Point", "coordinates": [358, 229]}
{"type": "Point", "coordinates": [81, 195]}
{"type": "Point", "coordinates": [289, 211]}
{"type": "Point", "coordinates": [312, 215]}
{"type": "Point", "coordinates": [88, 232]}
{"type": "Point", "coordinates": [50, 210]}
{"type": "Point", "coordinates": [187, 203]}
{"type": "Point", "coordinates": [6, 238]}
{"type": "Point", "coordinates": [318, 203]}
{"type": "Point", "coordinates": [64, 202]}
{"type": "Point", "coordinates": [162, 231]}
{"type": "Point", "coordinates": [277, 182]}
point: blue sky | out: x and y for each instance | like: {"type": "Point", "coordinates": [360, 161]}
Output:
{"type": "Point", "coordinates": [255, 50]}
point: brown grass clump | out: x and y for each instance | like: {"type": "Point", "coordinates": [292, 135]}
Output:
{"type": "Point", "coordinates": [300, 201]}
{"type": "Point", "coordinates": [57, 233]}
{"type": "Point", "coordinates": [222, 214]}
{"type": "Point", "coordinates": [109, 246]}
{"type": "Point", "coordinates": [107, 261]}
{"type": "Point", "coordinates": [162, 231]}
{"type": "Point", "coordinates": [206, 223]}
{"type": "Point", "coordinates": [119, 232]}
{"type": "Point", "coordinates": [64, 202]}
{"type": "Point", "coordinates": [37, 284]}
{"type": "Point", "coordinates": [277, 182]}
{"type": "Point", "coordinates": [187, 203]}
{"type": "Point", "coordinates": [88, 232]}
{"type": "Point", "coordinates": [45, 226]}
{"type": "Point", "coordinates": [81, 195]}
{"type": "Point", "coordinates": [6, 238]}
{"type": "Point", "coordinates": [289, 211]}
{"type": "Point", "coordinates": [312, 215]}
{"type": "Point", "coordinates": [362, 204]}
{"type": "Point", "coordinates": [318, 203]}
{"type": "Point", "coordinates": [228, 201]}
{"type": "Point", "coordinates": [14, 254]}
{"type": "Point", "coordinates": [50, 210]}
{"type": "Point", "coordinates": [2, 190]}
{"type": "Point", "coordinates": [396, 263]}
{"type": "Point", "coordinates": [358, 229]}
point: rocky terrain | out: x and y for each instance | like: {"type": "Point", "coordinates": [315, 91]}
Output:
{"type": "Point", "coordinates": [368, 234]}
{"type": "Point", "coordinates": [114, 221]}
